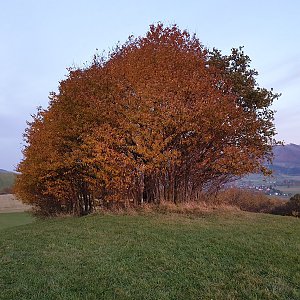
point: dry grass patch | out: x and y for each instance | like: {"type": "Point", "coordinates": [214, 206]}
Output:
{"type": "Point", "coordinates": [9, 203]}
{"type": "Point", "coordinates": [247, 200]}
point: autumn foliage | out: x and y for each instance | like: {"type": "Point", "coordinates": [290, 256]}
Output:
{"type": "Point", "coordinates": [161, 118]}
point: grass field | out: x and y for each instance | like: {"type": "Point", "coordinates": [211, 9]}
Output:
{"type": "Point", "coordinates": [14, 219]}
{"type": "Point", "coordinates": [216, 256]}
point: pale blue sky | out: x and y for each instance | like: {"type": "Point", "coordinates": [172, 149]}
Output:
{"type": "Point", "coordinates": [40, 39]}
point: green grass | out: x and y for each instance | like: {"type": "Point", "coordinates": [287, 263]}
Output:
{"type": "Point", "coordinates": [216, 256]}
{"type": "Point", "coordinates": [14, 219]}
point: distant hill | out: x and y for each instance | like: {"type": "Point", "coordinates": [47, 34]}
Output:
{"type": "Point", "coordinates": [7, 180]}
{"type": "Point", "coordinates": [286, 160]}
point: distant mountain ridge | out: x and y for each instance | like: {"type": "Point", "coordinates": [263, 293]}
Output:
{"type": "Point", "coordinates": [286, 160]}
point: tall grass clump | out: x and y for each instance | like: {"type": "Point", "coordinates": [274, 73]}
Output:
{"type": "Point", "coordinates": [248, 200]}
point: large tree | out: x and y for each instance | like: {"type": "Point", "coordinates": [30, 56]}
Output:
{"type": "Point", "coordinates": [162, 118]}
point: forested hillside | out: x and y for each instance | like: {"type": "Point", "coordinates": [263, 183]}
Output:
{"type": "Point", "coordinates": [286, 160]}
{"type": "Point", "coordinates": [7, 180]}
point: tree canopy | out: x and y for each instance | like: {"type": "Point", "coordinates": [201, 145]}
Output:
{"type": "Point", "coordinates": [161, 118]}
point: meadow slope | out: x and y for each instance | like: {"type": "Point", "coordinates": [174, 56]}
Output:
{"type": "Point", "coordinates": [215, 256]}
